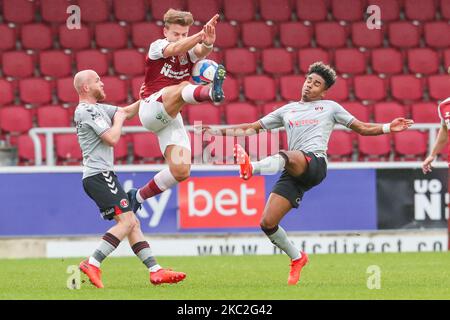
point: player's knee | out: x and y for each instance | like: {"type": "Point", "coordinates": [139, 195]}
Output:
{"type": "Point", "coordinates": [181, 172]}
{"type": "Point", "coordinates": [267, 226]}
{"type": "Point", "coordinates": [128, 221]}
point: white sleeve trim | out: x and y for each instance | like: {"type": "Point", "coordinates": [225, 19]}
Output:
{"type": "Point", "coordinates": [157, 48]}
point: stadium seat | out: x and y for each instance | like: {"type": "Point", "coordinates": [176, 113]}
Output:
{"type": "Point", "coordinates": [420, 10]}
{"type": "Point", "coordinates": [385, 112]}
{"type": "Point", "coordinates": [55, 63]}
{"type": "Point", "coordinates": [406, 87]}
{"type": "Point", "coordinates": [36, 36]}
{"type": "Point", "coordinates": [295, 35]}
{"type": "Point", "coordinates": [207, 113]}
{"type": "Point", "coordinates": [115, 89]}
{"type": "Point", "coordinates": [92, 59]}
{"type": "Point", "coordinates": [390, 9]}
{"type": "Point", "coordinates": [146, 148]}
{"type": "Point", "coordinates": [446, 58]}
{"type": "Point", "coordinates": [227, 35]}
{"type": "Point", "coordinates": [35, 91]}
{"type": "Point", "coordinates": [68, 150]}
{"type": "Point", "coordinates": [65, 91]}
{"type": "Point", "coordinates": [387, 61]}
{"type": "Point", "coordinates": [121, 151]}
{"type": "Point", "coordinates": [366, 38]}
{"type": "Point", "coordinates": [291, 87]}
{"type": "Point", "coordinates": [216, 55]}
{"type": "Point", "coordinates": [277, 61]}
{"type": "Point", "coordinates": [312, 10]}
{"type": "Point", "coordinates": [257, 34]}
{"type": "Point", "coordinates": [17, 64]}
{"type": "Point", "coordinates": [159, 8]}
{"type": "Point", "coordinates": [130, 11]}
{"type": "Point", "coordinates": [135, 121]}
{"type": "Point", "coordinates": [110, 36]}
{"type": "Point", "coordinates": [54, 11]}
{"type": "Point", "coordinates": [374, 148]}
{"type": "Point", "coordinates": [129, 62]}
{"type": "Point", "coordinates": [15, 120]}
{"type": "Point", "coordinates": [404, 34]}
{"type": "Point", "coordinates": [94, 10]}
{"type": "Point", "coordinates": [53, 116]}
{"type": "Point", "coordinates": [18, 11]}
{"type": "Point", "coordinates": [369, 87]}
{"type": "Point", "coordinates": [410, 145]}
{"type": "Point", "coordinates": [330, 35]}
{"type": "Point", "coordinates": [437, 34]}
{"type": "Point", "coordinates": [203, 10]}
{"type": "Point", "coordinates": [347, 10]}
{"type": "Point", "coordinates": [423, 61]}
{"type": "Point", "coordinates": [219, 149]}
{"type": "Point", "coordinates": [339, 91]}
{"type": "Point", "coordinates": [239, 10]}
{"type": "Point", "coordinates": [240, 112]}
{"type": "Point", "coordinates": [358, 110]}
{"type": "Point", "coordinates": [144, 33]}
{"type": "Point", "coordinates": [25, 149]}
{"type": "Point", "coordinates": [350, 61]}
{"type": "Point", "coordinates": [7, 92]}
{"type": "Point", "coordinates": [262, 145]}
{"type": "Point", "coordinates": [340, 146]}
{"type": "Point", "coordinates": [445, 9]}
{"type": "Point", "coordinates": [425, 112]}
{"type": "Point", "coordinates": [136, 84]}
{"type": "Point", "coordinates": [231, 88]}
{"type": "Point", "coordinates": [7, 38]}
{"type": "Point", "coordinates": [276, 11]}
{"type": "Point", "coordinates": [75, 39]}
{"type": "Point", "coordinates": [240, 61]}
{"type": "Point", "coordinates": [272, 106]}
{"type": "Point", "coordinates": [438, 86]}
{"type": "Point", "coordinates": [259, 88]}
{"type": "Point", "coordinates": [308, 56]}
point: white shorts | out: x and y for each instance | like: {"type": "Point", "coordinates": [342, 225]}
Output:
{"type": "Point", "coordinates": [170, 131]}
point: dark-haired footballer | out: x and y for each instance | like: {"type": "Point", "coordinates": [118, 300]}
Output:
{"type": "Point", "coordinates": [308, 123]}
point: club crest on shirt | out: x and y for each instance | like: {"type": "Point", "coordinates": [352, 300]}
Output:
{"type": "Point", "coordinates": [318, 108]}
{"type": "Point", "coordinates": [183, 59]}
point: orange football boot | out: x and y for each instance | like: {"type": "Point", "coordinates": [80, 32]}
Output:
{"type": "Point", "coordinates": [242, 158]}
{"type": "Point", "coordinates": [166, 276]}
{"type": "Point", "coordinates": [94, 274]}
{"type": "Point", "coordinates": [296, 268]}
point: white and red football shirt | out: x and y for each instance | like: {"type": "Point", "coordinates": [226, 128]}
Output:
{"type": "Point", "coordinates": [162, 72]}
{"type": "Point", "coordinates": [444, 114]}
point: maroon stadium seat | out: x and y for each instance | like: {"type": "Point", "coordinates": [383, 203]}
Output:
{"type": "Point", "coordinates": [406, 87]}
{"type": "Point", "coordinates": [240, 112]}
{"type": "Point", "coordinates": [446, 58]}
{"type": "Point", "coordinates": [330, 35]}
{"type": "Point", "coordinates": [144, 33]}
{"type": "Point", "coordinates": [7, 92]}
{"type": "Point", "coordinates": [339, 91]}
{"type": "Point", "coordinates": [75, 39]}
{"type": "Point", "coordinates": [350, 61]}
{"type": "Point", "coordinates": [240, 61]}
{"type": "Point", "coordinates": [291, 87]}
{"type": "Point", "coordinates": [390, 9]}
{"type": "Point", "coordinates": [216, 56]}
{"type": "Point", "coordinates": [347, 10]}
{"type": "Point", "coordinates": [25, 149]}
{"type": "Point", "coordinates": [404, 34]}
{"type": "Point", "coordinates": [231, 89]}
{"type": "Point", "coordinates": [445, 9]}
{"type": "Point", "coordinates": [129, 62]}
{"type": "Point", "coordinates": [121, 151]}
{"type": "Point", "coordinates": [110, 35]}
{"type": "Point", "coordinates": [257, 34]}
{"type": "Point", "coordinates": [420, 10]}
{"type": "Point", "coordinates": [36, 36]}
{"type": "Point", "coordinates": [68, 150]}
{"type": "Point", "coordinates": [374, 148]}
{"type": "Point", "coordinates": [18, 11]}
{"type": "Point", "coordinates": [55, 63]}
{"type": "Point", "coordinates": [385, 112]}
{"type": "Point", "coordinates": [423, 60]}
{"type": "Point", "coordinates": [7, 37]}
{"type": "Point", "coordinates": [53, 116]}
{"type": "Point", "coordinates": [308, 56]}
{"type": "Point", "coordinates": [437, 34]}
{"type": "Point", "coordinates": [135, 121]}
{"type": "Point", "coordinates": [410, 145]}
{"type": "Point", "coordinates": [277, 61]}
{"type": "Point", "coordinates": [92, 59]}
{"type": "Point", "coordinates": [136, 84]}
{"type": "Point", "coordinates": [276, 11]}
{"type": "Point", "coordinates": [227, 35]}
{"type": "Point", "coordinates": [146, 148]}
{"type": "Point", "coordinates": [340, 146]}
{"type": "Point", "coordinates": [425, 112]}
{"type": "Point", "coordinates": [387, 61]}
{"type": "Point", "coordinates": [203, 10]}
{"type": "Point", "coordinates": [262, 145]}
{"type": "Point", "coordinates": [65, 91]}
{"type": "Point", "coordinates": [130, 11]}
{"type": "Point", "coordinates": [295, 34]}
{"type": "Point", "coordinates": [369, 87]}
{"type": "Point", "coordinates": [115, 89]}
{"type": "Point", "coordinates": [15, 120]}
{"type": "Point", "coordinates": [54, 11]}
{"type": "Point", "coordinates": [239, 10]}
{"type": "Point", "coordinates": [17, 64]}
{"type": "Point", "coordinates": [312, 10]}
{"type": "Point", "coordinates": [159, 8]}
{"type": "Point", "coordinates": [35, 91]}
{"type": "Point", "coordinates": [365, 37]}
{"type": "Point", "coordinates": [94, 10]}
{"type": "Point", "coordinates": [358, 110]}
{"type": "Point", "coordinates": [272, 106]}
{"type": "Point", "coordinates": [207, 113]}
{"type": "Point", "coordinates": [259, 88]}
{"type": "Point", "coordinates": [438, 86]}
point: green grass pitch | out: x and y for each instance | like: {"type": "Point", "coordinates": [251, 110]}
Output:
{"type": "Point", "coordinates": [403, 276]}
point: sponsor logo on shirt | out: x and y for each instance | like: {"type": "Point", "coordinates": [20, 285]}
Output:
{"type": "Point", "coordinates": [183, 59]}
{"type": "Point", "coordinates": [305, 122]}
{"type": "Point", "coordinates": [319, 108]}
{"type": "Point", "coordinates": [169, 73]}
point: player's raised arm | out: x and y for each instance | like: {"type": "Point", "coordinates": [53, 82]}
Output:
{"type": "Point", "coordinates": [183, 46]}
{"type": "Point", "coordinates": [375, 129]}
{"type": "Point", "coordinates": [209, 37]}
{"type": "Point", "coordinates": [131, 110]}
{"type": "Point", "coordinates": [441, 140]}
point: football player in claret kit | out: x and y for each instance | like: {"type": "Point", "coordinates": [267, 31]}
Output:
{"type": "Point", "coordinates": [168, 68]}
{"type": "Point", "coordinates": [98, 129]}
{"type": "Point", "coordinates": [309, 123]}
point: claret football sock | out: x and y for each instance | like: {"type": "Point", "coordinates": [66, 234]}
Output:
{"type": "Point", "coordinates": [162, 181]}
{"type": "Point", "coordinates": [195, 94]}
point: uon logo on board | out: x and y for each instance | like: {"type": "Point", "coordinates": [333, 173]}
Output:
{"type": "Point", "coordinates": [221, 202]}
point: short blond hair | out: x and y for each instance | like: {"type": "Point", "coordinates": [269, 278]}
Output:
{"type": "Point", "coordinates": [182, 18]}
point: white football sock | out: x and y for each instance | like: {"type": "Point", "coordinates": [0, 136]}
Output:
{"type": "Point", "coordinates": [94, 262]}
{"type": "Point", "coordinates": [155, 268]}
{"type": "Point", "coordinates": [280, 239]}
{"type": "Point", "coordinates": [270, 165]}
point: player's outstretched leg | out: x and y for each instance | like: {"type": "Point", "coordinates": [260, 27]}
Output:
{"type": "Point", "coordinates": [217, 91]}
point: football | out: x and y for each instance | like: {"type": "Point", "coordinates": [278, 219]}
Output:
{"type": "Point", "coordinates": [203, 71]}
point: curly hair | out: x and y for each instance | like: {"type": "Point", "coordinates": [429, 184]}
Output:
{"type": "Point", "coordinates": [183, 18]}
{"type": "Point", "coordinates": [325, 71]}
